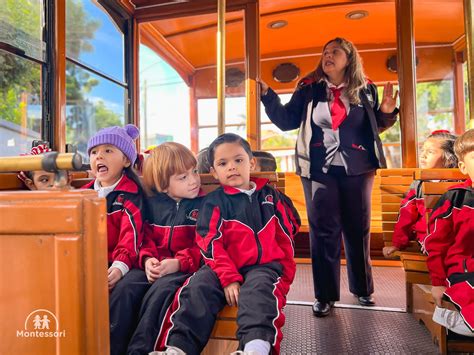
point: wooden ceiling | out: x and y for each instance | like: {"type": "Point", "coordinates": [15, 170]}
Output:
{"type": "Point", "coordinates": [311, 23]}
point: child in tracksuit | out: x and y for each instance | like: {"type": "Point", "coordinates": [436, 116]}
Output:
{"type": "Point", "coordinates": [450, 246]}
{"type": "Point", "coordinates": [169, 254]}
{"type": "Point", "coordinates": [245, 231]}
{"type": "Point", "coordinates": [112, 153]}
{"type": "Point", "coordinates": [437, 152]}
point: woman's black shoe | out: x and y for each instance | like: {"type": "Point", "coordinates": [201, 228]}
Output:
{"type": "Point", "coordinates": [366, 301]}
{"type": "Point", "coordinates": [322, 309]}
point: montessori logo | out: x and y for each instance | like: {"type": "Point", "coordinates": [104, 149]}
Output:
{"type": "Point", "coordinates": [41, 323]}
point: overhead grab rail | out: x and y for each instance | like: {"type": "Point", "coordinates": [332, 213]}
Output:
{"type": "Point", "coordinates": [52, 162]}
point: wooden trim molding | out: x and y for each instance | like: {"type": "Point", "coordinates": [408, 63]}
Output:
{"type": "Point", "coordinates": [152, 38]}
{"type": "Point", "coordinates": [407, 82]}
{"type": "Point", "coordinates": [59, 90]}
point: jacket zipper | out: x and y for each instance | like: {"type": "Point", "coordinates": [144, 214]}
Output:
{"type": "Point", "coordinates": [259, 246]}
{"type": "Point", "coordinates": [172, 228]}
{"type": "Point", "coordinates": [464, 262]}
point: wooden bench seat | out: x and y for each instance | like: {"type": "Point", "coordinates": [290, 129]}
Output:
{"type": "Point", "coordinates": [418, 284]}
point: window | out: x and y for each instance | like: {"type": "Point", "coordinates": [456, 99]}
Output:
{"type": "Point", "coordinates": [280, 144]}
{"type": "Point", "coordinates": [436, 41]}
{"type": "Point", "coordinates": [96, 92]}
{"type": "Point", "coordinates": [22, 64]}
{"type": "Point", "coordinates": [164, 102]}
{"type": "Point", "coordinates": [235, 119]}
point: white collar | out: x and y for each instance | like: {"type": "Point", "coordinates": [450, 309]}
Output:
{"type": "Point", "coordinates": [332, 86]}
{"type": "Point", "coordinates": [253, 187]}
{"type": "Point", "coordinates": [103, 191]}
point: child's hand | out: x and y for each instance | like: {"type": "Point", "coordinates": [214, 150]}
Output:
{"type": "Point", "coordinates": [388, 251]}
{"type": "Point", "coordinates": [437, 292]}
{"type": "Point", "coordinates": [114, 276]}
{"type": "Point", "coordinates": [231, 292]}
{"type": "Point", "coordinates": [168, 266]}
{"type": "Point", "coordinates": [151, 269]}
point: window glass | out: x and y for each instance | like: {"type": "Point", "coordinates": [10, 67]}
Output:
{"type": "Point", "coordinates": [438, 30]}
{"type": "Point", "coordinates": [93, 38]}
{"type": "Point", "coordinates": [434, 107]}
{"type": "Point", "coordinates": [164, 102]}
{"type": "Point", "coordinates": [391, 138]}
{"type": "Point", "coordinates": [281, 144]}
{"type": "Point", "coordinates": [21, 25]}
{"type": "Point", "coordinates": [206, 136]}
{"type": "Point", "coordinates": [92, 103]}
{"type": "Point", "coordinates": [20, 104]}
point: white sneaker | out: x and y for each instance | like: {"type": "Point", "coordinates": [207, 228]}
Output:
{"type": "Point", "coordinates": [452, 320]}
{"type": "Point", "coordinates": [169, 351]}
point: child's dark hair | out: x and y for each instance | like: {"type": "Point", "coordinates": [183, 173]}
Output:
{"type": "Point", "coordinates": [447, 145]}
{"type": "Point", "coordinates": [464, 144]}
{"type": "Point", "coordinates": [203, 165]}
{"type": "Point", "coordinates": [227, 138]}
{"type": "Point", "coordinates": [266, 160]}
{"type": "Point", "coordinates": [132, 175]}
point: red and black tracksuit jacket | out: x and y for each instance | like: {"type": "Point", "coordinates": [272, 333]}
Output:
{"type": "Point", "coordinates": [236, 230]}
{"type": "Point", "coordinates": [450, 247]}
{"type": "Point", "coordinates": [170, 231]}
{"type": "Point", "coordinates": [124, 222]}
{"type": "Point", "coordinates": [411, 223]}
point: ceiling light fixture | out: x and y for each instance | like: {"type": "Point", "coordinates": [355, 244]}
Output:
{"type": "Point", "coordinates": [274, 25]}
{"type": "Point", "coordinates": [357, 15]}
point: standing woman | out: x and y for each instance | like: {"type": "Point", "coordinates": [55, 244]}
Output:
{"type": "Point", "coordinates": [338, 150]}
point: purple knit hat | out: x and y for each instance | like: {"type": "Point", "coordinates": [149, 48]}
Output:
{"type": "Point", "coordinates": [121, 137]}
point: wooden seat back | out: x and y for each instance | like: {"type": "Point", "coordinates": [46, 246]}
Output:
{"type": "Point", "coordinates": [53, 245]}
{"type": "Point", "coordinates": [394, 183]}
{"type": "Point", "coordinates": [10, 181]}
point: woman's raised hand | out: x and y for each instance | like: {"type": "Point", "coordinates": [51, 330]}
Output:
{"type": "Point", "coordinates": [389, 100]}
{"type": "Point", "coordinates": [263, 87]}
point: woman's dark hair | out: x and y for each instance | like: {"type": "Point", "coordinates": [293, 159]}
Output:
{"type": "Point", "coordinates": [227, 138]}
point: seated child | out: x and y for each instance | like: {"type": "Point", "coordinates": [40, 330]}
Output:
{"type": "Point", "coordinates": [203, 165]}
{"type": "Point", "coordinates": [437, 152]}
{"type": "Point", "coordinates": [450, 246]}
{"type": "Point", "coordinates": [245, 231]}
{"type": "Point", "coordinates": [265, 161]}
{"type": "Point", "coordinates": [112, 152]}
{"type": "Point", "coordinates": [39, 179]}
{"type": "Point", "coordinates": [169, 254]}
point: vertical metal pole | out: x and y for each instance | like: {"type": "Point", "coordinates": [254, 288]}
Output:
{"type": "Point", "coordinates": [220, 66]}
{"type": "Point", "coordinates": [468, 28]}
{"type": "Point", "coordinates": [145, 115]}
{"type": "Point", "coordinates": [252, 72]}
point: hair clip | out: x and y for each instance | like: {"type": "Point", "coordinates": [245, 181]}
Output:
{"type": "Point", "coordinates": [440, 131]}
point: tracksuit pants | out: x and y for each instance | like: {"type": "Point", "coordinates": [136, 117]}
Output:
{"type": "Point", "coordinates": [338, 206]}
{"type": "Point", "coordinates": [461, 293]}
{"type": "Point", "coordinates": [124, 306]}
{"type": "Point", "coordinates": [154, 306]}
{"type": "Point", "coordinates": [190, 320]}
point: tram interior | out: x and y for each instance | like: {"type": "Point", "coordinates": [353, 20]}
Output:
{"type": "Point", "coordinates": [154, 63]}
